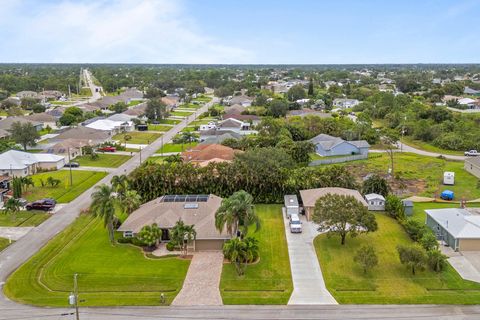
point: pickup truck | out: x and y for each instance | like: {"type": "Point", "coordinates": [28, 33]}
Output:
{"type": "Point", "coordinates": [472, 153]}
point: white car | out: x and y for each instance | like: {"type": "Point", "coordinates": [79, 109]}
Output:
{"type": "Point", "coordinates": [295, 224]}
{"type": "Point", "coordinates": [472, 153]}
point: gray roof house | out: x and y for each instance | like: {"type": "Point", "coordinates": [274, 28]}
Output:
{"type": "Point", "coordinates": [326, 145]}
{"type": "Point", "coordinates": [376, 202]}
{"type": "Point", "coordinates": [458, 228]}
{"type": "Point", "coordinates": [165, 211]}
{"type": "Point", "coordinates": [6, 123]}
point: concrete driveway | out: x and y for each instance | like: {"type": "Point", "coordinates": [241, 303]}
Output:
{"type": "Point", "coordinates": [467, 265]}
{"type": "Point", "coordinates": [308, 284]}
{"type": "Point", "coordinates": [14, 233]}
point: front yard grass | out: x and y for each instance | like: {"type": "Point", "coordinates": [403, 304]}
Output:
{"type": "Point", "coordinates": [428, 147]}
{"type": "Point", "coordinates": [172, 147]}
{"type": "Point", "coordinates": [82, 180]}
{"type": "Point", "coordinates": [138, 137]}
{"type": "Point", "coordinates": [107, 275]}
{"type": "Point", "coordinates": [104, 160]}
{"type": "Point", "coordinates": [158, 127]}
{"type": "Point", "coordinates": [4, 243]}
{"type": "Point", "coordinates": [426, 170]}
{"type": "Point", "coordinates": [269, 281]}
{"type": "Point", "coordinates": [390, 282]}
{"type": "Point", "coordinates": [23, 219]}
{"type": "Point", "coordinates": [170, 121]}
{"type": "Point", "coordinates": [181, 113]}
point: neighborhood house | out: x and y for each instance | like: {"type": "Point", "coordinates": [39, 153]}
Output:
{"type": "Point", "coordinates": [197, 210]}
{"type": "Point", "coordinates": [326, 145]}
{"type": "Point", "coordinates": [20, 164]}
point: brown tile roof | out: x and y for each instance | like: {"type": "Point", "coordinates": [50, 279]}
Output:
{"type": "Point", "coordinates": [80, 132]}
{"type": "Point", "coordinates": [310, 196]}
{"type": "Point", "coordinates": [205, 152]}
{"type": "Point", "coordinates": [166, 214]}
{"type": "Point", "coordinates": [41, 117]}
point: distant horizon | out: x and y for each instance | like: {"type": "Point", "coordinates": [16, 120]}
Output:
{"type": "Point", "coordinates": [247, 64]}
{"type": "Point", "coordinates": [248, 32]}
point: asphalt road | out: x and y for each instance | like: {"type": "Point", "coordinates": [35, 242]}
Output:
{"type": "Point", "coordinates": [19, 252]}
{"type": "Point", "coordinates": [96, 90]}
{"type": "Point", "coordinates": [406, 148]}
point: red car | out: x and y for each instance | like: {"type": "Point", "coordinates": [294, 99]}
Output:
{"type": "Point", "coordinates": [107, 149]}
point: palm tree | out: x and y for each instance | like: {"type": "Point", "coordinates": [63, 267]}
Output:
{"type": "Point", "coordinates": [103, 205]}
{"type": "Point", "coordinates": [181, 234]}
{"type": "Point", "coordinates": [12, 206]}
{"type": "Point", "coordinates": [251, 248]}
{"type": "Point", "coordinates": [189, 136]}
{"type": "Point", "coordinates": [235, 250]}
{"type": "Point", "coordinates": [120, 185]}
{"type": "Point", "coordinates": [236, 214]}
{"type": "Point", "coordinates": [130, 202]}
{"type": "Point", "coordinates": [127, 138]}
{"type": "Point", "coordinates": [27, 182]}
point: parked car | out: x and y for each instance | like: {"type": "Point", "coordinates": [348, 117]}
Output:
{"type": "Point", "coordinates": [107, 149]}
{"type": "Point", "coordinates": [295, 224]}
{"type": "Point", "coordinates": [43, 204]}
{"type": "Point", "coordinates": [472, 153]}
{"type": "Point", "coordinates": [72, 165]}
{"type": "Point", "coordinates": [22, 202]}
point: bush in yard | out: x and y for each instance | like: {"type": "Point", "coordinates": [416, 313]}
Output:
{"type": "Point", "coordinates": [375, 184]}
{"type": "Point", "coordinates": [240, 252]}
{"type": "Point", "coordinates": [53, 182]}
{"type": "Point", "coordinates": [436, 260]}
{"type": "Point", "coordinates": [366, 258]}
{"type": "Point", "coordinates": [394, 207]}
{"type": "Point", "coordinates": [170, 246]}
{"type": "Point", "coordinates": [428, 241]}
{"type": "Point", "coordinates": [415, 229]}
{"type": "Point", "coordinates": [412, 256]}
{"type": "Point", "coordinates": [149, 235]}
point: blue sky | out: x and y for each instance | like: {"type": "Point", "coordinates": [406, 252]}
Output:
{"type": "Point", "coordinates": [240, 31]}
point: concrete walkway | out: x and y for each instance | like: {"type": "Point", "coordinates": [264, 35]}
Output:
{"type": "Point", "coordinates": [14, 233]}
{"type": "Point", "coordinates": [308, 284]}
{"type": "Point", "coordinates": [467, 265]}
{"type": "Point", "coordinates": [201, 286]}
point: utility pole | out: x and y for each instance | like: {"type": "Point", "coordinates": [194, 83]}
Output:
{"type": "Point", "coordinates": [70, 167]}
{"type": "Point", "coordinates": [140, 155]}
{"type": "Point", "coordinates": [73, 298]}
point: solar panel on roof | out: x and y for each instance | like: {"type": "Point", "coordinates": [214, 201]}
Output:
{"type": "Point", "coordinates": [191, 198]}
{"type": "Point", "coordinates": [185, 198]}
{"type": "Point", "coordinates": [180, 198]}
{"type": "Point", "coordinates": [190, 206]}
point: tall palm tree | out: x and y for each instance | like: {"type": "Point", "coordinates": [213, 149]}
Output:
{"type": "Point", "coordinates": [182, 233]}
{"type": "Point", "coordinates": [236, 214]}
{"type": "Point", "coordinates": [120, 185]}
{"type": "Point", "coordinates": [103, 205]}
{"type": "Point", "coordinates": [130, 202]}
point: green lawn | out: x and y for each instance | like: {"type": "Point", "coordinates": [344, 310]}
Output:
{"type": "Point", "coordinates": [23, 219]}
{"type": "Point", "coordinates": [180, 113]}
{"type": "Point", "coordinates": [268, 281]}
{"type": "Point", "coordinates": [157, 159]}
{"type": "Point", "coordinates": [104, 160]}
{"type": "Point", "coordinates": [172, 147]}
{"type": "Point", "coordinates": [190, 106]}
{"type": "Point", "coordinates": [138, 137]}
{"type": "Point", "coordinates": [200, 122]}
{"type": "Point", "coordinates": [107, 275]}
{"type": "Point", "coordinates": [428, 147]}
{"type": "Point", "coordinates": [158, 127]}
{"type": "Point", "coordinates": [4, 243]}
{"type": "Point", "coordinates": [426, 172]}
{"type": "Point", "coordinates": [134, 103]}
{"type": "Point", "coordinates": [170, 121]}
{"type": "Point", "coordinates": [188, 129]}
{"type": "Point", "coordinates": [390, 282]}
{"type": "Point", "coordinates": [82, 180]}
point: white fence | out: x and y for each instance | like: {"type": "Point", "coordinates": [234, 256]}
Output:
{"type": "Point", "coordinates": [338, 160]}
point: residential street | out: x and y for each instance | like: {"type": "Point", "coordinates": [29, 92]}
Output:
{"type": "Point", "coordinates": [19, 252]}
{"type": "Point", "coordinates": [406, 148]}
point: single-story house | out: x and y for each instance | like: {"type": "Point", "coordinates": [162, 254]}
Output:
{"type": "Point", "coordinates": [20, 164]}
{"type": "Point", "coordinates": [44, 118]}
{"type": "Point", "coordinates": [207, 152]}
{"type": "Point", "coordinates": [137, 111]}
{"type": "Point", "coordinates": [217, 136]}
{"type": "Point", "coordinates": [112, 127]}
{"type": "Point", "coordinates": [93, 136]}
{"type": "Point", "coordinates": [471, 91]}
{"type": "Point", "coordinates": [458, 228]}
{"type": "Point", "coordinates": [233, 125]}
{"type": "Point", "coordinates": [310, 196]}
{"type": "Point", "coordinates": [308, 112]}
{"type": "Point", "coordinates": [27, 94]}
{"type": "Point", "coordinates": [242, 100]}
{"type": "Point", "coordinates": [326, 145]}
{"type": "Point", "coordinates": [121, 117]}
{"type": "Point", "coordinates": [376, 202]}
{"type": "Point", "coordinates": [197, 210]}
{"type": "Point", "coordinates": [6, 124]}
{"type": "Point", "coordinates": [72, 146]}
{"type": "Point", "coordinates": [472, 165]}
{"type": "Point", "coordinates": [345, 103]}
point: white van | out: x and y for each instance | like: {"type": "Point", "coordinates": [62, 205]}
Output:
{"type": "Point", "coordinates": [295, 224]}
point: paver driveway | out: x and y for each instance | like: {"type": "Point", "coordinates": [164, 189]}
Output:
{"type": "Point", "coordinates": [201, 286]}
{"type": "Point", "coordinates": [308, 284]}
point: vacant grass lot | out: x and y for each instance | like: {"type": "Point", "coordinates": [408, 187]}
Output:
{"type": "Point", "coordinates": [158, 127]}
{"type": "Point", "coordinates": [172, 147]}
{"type": "Point", "coordinates": [428, 147]}
{"type": "Point", "coordinates": [104, 160]}
{"type": "Point", "coordinates": [4, 243]}
{"type": "Point", "coordinates": [181, 113]}
{"type": "Point", "coordinates": [170, 121]}
{"type": "Point", "coordinates": [269, 281]}
{"type": "Point", "coordinates": [138, 137]}
{"type": "Point", "coordinates": [23, 219]}
{"type": "Point", "coordinates": [427, 170]}
{"type": "Point", "coordinates": [390, 282]}
{"type": "Point", "coordinates": [107, 275]}
{"type": "Point", "coordinates": [82, 180]}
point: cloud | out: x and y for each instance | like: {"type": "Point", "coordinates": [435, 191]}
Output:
{"type": "Point", "coordinates": [142, 31]}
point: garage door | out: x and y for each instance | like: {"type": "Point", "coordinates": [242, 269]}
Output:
{"type": "Point", "coordinates": [208, 245]}
{"type": "Point", "coordinates": [469, 245]}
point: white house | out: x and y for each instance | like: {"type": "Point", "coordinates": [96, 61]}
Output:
{"type": "Point", "coordinates": [376, 202]}
{"type": "Point", "coordinates": [20, 164]}
{"type": "Point", "coordinates": [113, 127]}
{"type": "Point", "coordinates": [345, 103]}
